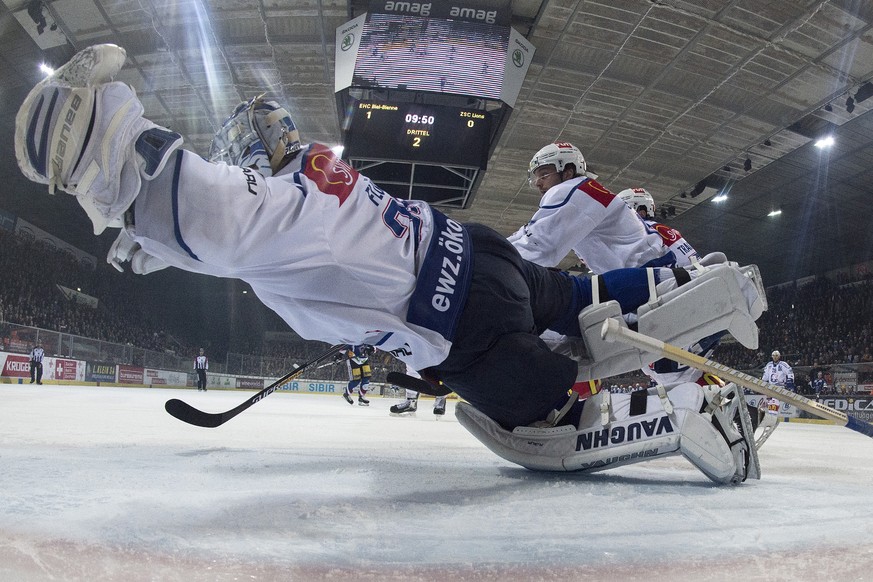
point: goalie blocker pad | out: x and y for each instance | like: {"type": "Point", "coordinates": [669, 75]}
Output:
{"type": "Point", "coordinates": [723, 297]}
{"type": "Point", "coordinates": [617, 430]}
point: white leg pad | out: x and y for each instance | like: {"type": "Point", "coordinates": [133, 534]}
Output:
{"type": "Point", "coordinates": [607, 359]}
{"type": "Point", "coordinates": [615, 439]}
{"type": "Point", "coordinates": [721, 298]}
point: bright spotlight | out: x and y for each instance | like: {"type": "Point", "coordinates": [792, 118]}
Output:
{"type": "Point", "coordinates": [825, 142]}
{"type": "Point", "coordinates": [337, 150]}
{"type": "Point", "coordinates": [720, 198]}
{"type": "Point", "coordinates": [775, 212]}
{"type": "Point", "coordinates": [46, 69]}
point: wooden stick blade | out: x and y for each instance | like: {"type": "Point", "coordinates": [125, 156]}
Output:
{"type": "Point", "coordinates": [612, 331]}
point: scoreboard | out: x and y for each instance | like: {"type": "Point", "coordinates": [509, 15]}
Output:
{"type": "Point", "coordinates": [414, 132]}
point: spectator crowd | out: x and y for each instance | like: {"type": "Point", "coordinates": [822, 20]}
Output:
{"type": "Point", "coordinates": [819, 324]}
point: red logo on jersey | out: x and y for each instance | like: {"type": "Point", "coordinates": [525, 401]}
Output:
{"type": "Point", "coordinates": [597, 192]}
{"type": "Point", "coordinates": [669, 235]}
{"type": "Point", "coordinates": [332, 175]}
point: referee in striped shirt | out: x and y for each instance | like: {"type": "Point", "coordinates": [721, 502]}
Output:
{"type": "Point", "coordinates": [36, 355]}
{"type": "Point", "coordinates": [201, 364]}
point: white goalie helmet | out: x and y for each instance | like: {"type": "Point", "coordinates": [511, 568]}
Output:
{"type": "Point", "coordinates": [258, 134]}
{"type": "Point", "coordinates": [775, 354]}
{"type": "Point", "coordinates": [559, 154]}
{"type": "Point", "coordinates": [636, 197]}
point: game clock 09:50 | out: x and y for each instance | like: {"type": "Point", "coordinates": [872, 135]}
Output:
{"type": "Point", "coordinates": [419, 133]}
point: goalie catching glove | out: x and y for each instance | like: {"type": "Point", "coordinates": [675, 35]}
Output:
{"type": "Point", "coordinates": [85, 135]}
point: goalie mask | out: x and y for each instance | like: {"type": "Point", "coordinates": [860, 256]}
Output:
{"type": "Point", "coordinates": [636, 197]}
{"type": "Point", "coordinates": [558, 154]}
{"type": "Point", "coordinates": [258, 134]}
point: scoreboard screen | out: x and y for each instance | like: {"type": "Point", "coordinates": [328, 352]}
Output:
{"type": "Point", "coordinates": [415, 132]}
{"type": "Point", "coordinates": [431, 54]}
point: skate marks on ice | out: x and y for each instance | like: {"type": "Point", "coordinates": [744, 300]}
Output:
{"type": "Point", "coordinates": [101, 481]}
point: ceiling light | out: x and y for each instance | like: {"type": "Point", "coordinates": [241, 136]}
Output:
{"type": "Point", "coordinates": [46, 69]}
{"type": "Point", "coordinates": [767, 142]}
{"type": "Point", "coordinates": [338, 150]}
{"type": "Point", "coordinates": [828, 107]}
{"type": "Point", "coordinates": [775, 212]}
{"type": "Point", "coordinates": [850, 105]}
{"type": "Point", "coordinates": [747, 165]}
{"type": "Point", "coordinates": [720, 198]}
{"type": "Point", "coordinates": [825, 142]}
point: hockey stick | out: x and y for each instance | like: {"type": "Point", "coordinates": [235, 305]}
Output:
{"type": "Point", "coordinates": [187, 413]}
{"type": "Point", "coordinates": [416, 384]}
{"type": "Point", "coordinates": [612, 331]}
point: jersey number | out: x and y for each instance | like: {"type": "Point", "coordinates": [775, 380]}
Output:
{"type": "Point", "coordinates": [400, 219]}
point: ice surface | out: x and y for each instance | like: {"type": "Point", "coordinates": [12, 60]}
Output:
{"type": "Point", "coordinates": [102, 484]}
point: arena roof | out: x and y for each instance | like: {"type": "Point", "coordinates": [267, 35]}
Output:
{"type": "Point", "coordinates": [670, 95]}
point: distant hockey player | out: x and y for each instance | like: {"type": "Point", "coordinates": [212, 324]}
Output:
{"type": "Point", "coordinates": [778, 373]}
{"type": "Point", "coordinates": [358, 364]}
{"type": "Point", "coordinates": [341, 261]}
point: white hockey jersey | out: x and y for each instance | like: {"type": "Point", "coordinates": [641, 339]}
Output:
{"type": "Point", "coordinates": [778, 373]}
{"type": "Point", "coordinates": [583, 216]}
{"type": "Point", "coordinates": [335, 256]}
{"type": "Point", "coordinates": [674, 241]}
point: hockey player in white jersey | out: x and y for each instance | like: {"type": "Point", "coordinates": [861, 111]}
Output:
{"type": "Point", "coordinates": [578, 213]}
{"type": "Point", "coordinates": [341, 261]}
{"type": "Point", "coordinates": [642, 202]}
{"type": "Point", "coordinates": [666, 371]}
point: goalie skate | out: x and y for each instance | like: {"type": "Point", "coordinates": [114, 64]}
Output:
{"type": "Point", "coordinates": [764, 424]}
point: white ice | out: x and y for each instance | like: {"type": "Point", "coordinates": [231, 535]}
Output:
{"type": "Point", "coordinates": [102, 484]}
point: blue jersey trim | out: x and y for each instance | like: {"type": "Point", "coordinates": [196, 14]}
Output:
{"type": "Point", "coordinates": [567, 199]}
{"type": "Point", "coordinates": [177, 172]}
{"type": "Point", "coordinates": [668, 260]}
{"type": "Point", "coordinates": [444, 280]}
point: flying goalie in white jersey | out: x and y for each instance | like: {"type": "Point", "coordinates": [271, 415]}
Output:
{"type": "Point", "coordinates": [342, 261]}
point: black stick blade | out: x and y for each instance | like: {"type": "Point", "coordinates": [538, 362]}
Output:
{"type": "Point", "coordinates": [187, 413]}
{"type": "Point", "coordinates": [417, 384]}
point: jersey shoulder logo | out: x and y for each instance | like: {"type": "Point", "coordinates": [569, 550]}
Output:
{"type": "Point", "coordinates": [597, 192]}
{"type": "Point", "coordinates": [670, 235]}
{"type": "Point", "coordinates": [331, 174]}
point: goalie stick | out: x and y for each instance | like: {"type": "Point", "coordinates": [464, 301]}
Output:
{"type": "Point", "coordinates": [187, 413]}
{"type": "Point", "coordinates": [612, 331]}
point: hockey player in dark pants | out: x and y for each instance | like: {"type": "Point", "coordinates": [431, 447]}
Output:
{"type": "Point", "coordinates": [342, 261]}
{"type": "Point", "coordinates": [359, 373]}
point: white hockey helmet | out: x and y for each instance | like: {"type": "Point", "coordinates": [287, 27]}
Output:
{"type": "Point", "coordinates": [258, 134]}
{"type": "Point", "coordinates": [558, 154]}
{"type": "Point", "coordinates": [775, 354]}
{"type": "Point", "coordinates": [636, 197]}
